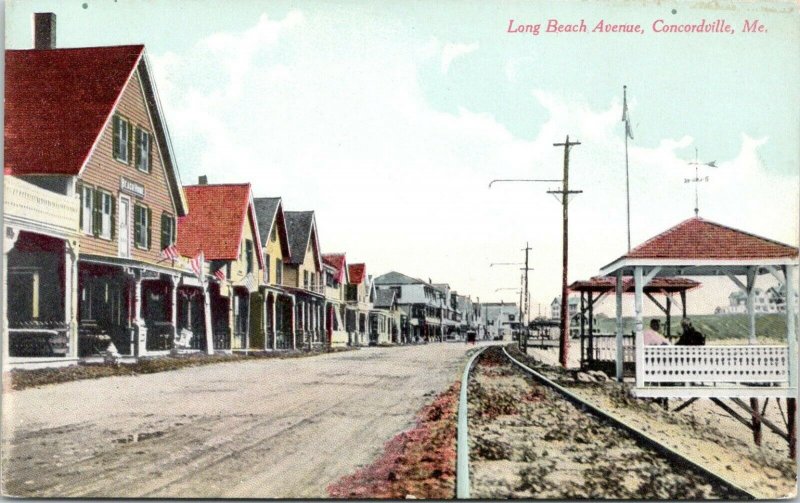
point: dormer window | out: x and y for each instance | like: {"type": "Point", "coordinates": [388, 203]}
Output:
{"type": "Point", "coordinates": [121, 132]}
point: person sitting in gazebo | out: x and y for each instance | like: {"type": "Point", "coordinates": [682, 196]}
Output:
{"type": "Point", "coordinates": [690, 336]}
{"type": "Point", "coordinates": [652, 336]}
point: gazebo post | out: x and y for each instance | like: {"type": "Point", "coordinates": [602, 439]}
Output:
{"type": "Point", "coordinates": [751, 300]}
{"type": "Point", "coordinates": [583, 324]}
{"type": "Point", "coordinates": [790, 272]}
{"type": "Point", "coordinates": [637, 306]}
{"type": "Point", "coordinates": [668, 300]}
{"type": "Point", "coordinates": [683, 303]}
{"type": "Point", "coordinates": [590, 349]}
{"type": "Point", "coordinates": [620, 352]}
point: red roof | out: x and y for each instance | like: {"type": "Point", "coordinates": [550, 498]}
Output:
{"type": "Point", "coordinates": [607, 284]}
{"type": "Point", "coordinates": [356, 273]}
{"type": "Point", "coordinates": [696, 238]}
{"type": "Point", "coordinates": [337, 261]}
{"type": "Point", "coordinates": [216, 221]}
{"type": "Point", "coordinates": [57, 102]}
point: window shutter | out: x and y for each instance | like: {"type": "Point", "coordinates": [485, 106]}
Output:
{"type": "Point", "coordinates": [130, 144]}
{"type": "Point", "coordinates": [79, 188]}
{"type": "Point", "coordinates": [164, 231]}
{"type": "Point", "coordinates": [115, 137]}
{"type": "Point", "coordinates": [137, 225]}
{"type": "Point", "coordinates": [149, 152]}
{"type": "Point", "coordinates": [149, 226]}
{"type": "Point", "coordinates": [97, 213]}
{"type": "Point", "coordinates": [137, 146]}
{"type": "Point", "coordinates": [113, 217]}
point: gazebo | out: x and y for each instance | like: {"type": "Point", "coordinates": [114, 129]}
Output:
{"type": "Point", "coordinates": [595, 349]}
{"type": "Point", "coordinates": [697, 247]}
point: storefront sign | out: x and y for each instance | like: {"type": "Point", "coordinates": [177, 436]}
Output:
{"type": "Point", "coordinates": [131, 187]}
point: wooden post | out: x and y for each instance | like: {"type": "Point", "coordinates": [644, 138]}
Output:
{"type": "Point", "coordinates": [751, 299]}
{"type": "Point", "coordinates": [620, 350]}
{"type": "Point", "coordinates": [756, 421]}
{"type": "Point", "coordinates": [583, 323]}
{"type": "Point", "coordinates": [563, 350]}
{"type": "Point", "coordinates": [637, 305]}
{"type": "Point", "coordinates": [790, 273]}
{"type": "Point", "coordinates": [791, 426]}
{"type": "Point", "coordinates": [683, 303]}
{"type": "Point", "coordinates": [207, 318]}
{"type": "Point", "coordinates": [669, 317]}
{"type": "Point", "coordinates": [590, 349]}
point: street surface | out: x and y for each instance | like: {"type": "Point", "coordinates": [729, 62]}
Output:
{"type": "Point", "coordinates": [258, 429]}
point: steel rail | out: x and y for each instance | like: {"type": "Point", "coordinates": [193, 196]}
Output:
{"type": "Point", "coordinates": [462, 441]}
{"type": "Point", "coordinates": [637, 434]}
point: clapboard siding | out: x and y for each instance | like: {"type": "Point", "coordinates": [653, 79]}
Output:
{"type": "Point", "coordinates": [103, 171]}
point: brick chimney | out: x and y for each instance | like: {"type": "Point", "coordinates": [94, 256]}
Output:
{"type": "Point", "coordinates": [202, 180]}
{"type": "Point", "coordinates": [44, 30]}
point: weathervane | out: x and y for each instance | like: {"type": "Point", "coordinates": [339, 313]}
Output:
{"type": "Point", "coordinates": [697, 178]}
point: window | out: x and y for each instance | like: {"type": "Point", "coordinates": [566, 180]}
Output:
{"type": "Point", "coordinates": [248, 250]}
{"type": "Point", "coordinates": [305, 280]}
{"type": "Point", "coordinates": [267, 263]}
{"type": "Point", "coordinates": [143, 149]}
{"type": "Point", "coordinates": [87, 210]}
{"type": "Point", "coordinates": [141, 227]}
{"type": "Point", "coordinates": [278, 271]}
{"type": "Point", "coordinates": [121, 139]}
{"type": "Point", "coordinates": [274, 235]}
{"type": "Point", "coordinates": [104, 221]}
{"type": "Point", "coordinates": [167, 230]}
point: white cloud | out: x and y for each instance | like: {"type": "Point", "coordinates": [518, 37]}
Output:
{"type": "Point", "coordinates": [452, 51]}
{"type": "Point", "coordinates": [344, 129]}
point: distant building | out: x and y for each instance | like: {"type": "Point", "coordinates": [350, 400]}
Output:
{"type": "Point", "coordinates": [499, 317]}
{"type": "Point", "coordinates": [771, 300]}
{"type": "Point", "coordinates": [555, 307]}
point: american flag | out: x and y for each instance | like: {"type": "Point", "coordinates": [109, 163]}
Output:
{"type": "Point", "coordinates": [220, 274]}
{"type": "Point", "coordinates": [197, 265]}
{"type": "Point", "coordinates": [170, 252]}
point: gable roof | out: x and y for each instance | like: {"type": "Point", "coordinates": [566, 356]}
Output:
{"type": "Point", "coordinates": [384, 298]}
{"type": "Point", "coordinates": [300, 227]}
{"type": "Point", "coordinates": [397, 278]}
{"type": "Point", "coordinates": [216, 223]}
{"type": "Point", "coordinates": [356, 272]}
{"type": "Point", "coordinates": [63, 99]}
{"type": "Point", "coordinates": [339, 263]}
{"type": "Point", "coordinates": [269, 212]}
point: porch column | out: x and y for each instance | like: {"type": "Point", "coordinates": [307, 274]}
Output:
{"type": "Point", "coordinates": [207, 319]}
{"type": "Point", "coordinates": [637, 306]}
{"type": "Point", "coordinates": [247, 323]}
{"type": "Point", "coordinates": [294, 326]}
{"type": "Point", "coordinates": [620, 351]}
{"type": "Point", "coordinates": [139, 331]}
{"type": "Point", "coordinates": [265, 320]}
{"type": "Point", "coordinates": [274, 322]}
{"type": "Point", "coordinates": [10, 238]}
{"type": "Point", "coordinates": [751, 301]}
{"type": "Point", "coordinates": [71, 295]}
{"type": "Point", "coordinates": [231, 326]}
{"type": "Point", "coordinates": [791, 327]}
{"type": "Point", "coordinates": [173, 310]}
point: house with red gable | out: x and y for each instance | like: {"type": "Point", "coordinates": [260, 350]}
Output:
{"type": "Point", "coordinates": [94, 196]}
{"type": "Point", "coordinates": [336, 279]}
{"type": "Point", "coordinates": [223, 229]}
{"type": "Point", "coordinates": [359, 295]}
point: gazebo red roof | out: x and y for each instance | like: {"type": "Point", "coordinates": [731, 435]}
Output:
{"type": "Point", "coordinates": [656, 285]}
{"type": "Point", "coordinates": [696, 238]}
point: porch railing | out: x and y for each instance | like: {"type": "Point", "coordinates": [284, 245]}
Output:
{"type": "Point", "coordinates": [716, 364]}
{"type": "Point", "coordinates": [283, 340]}
{"type": "Point", "coordinates": [604, 348]}
{"type": "Point", "coordinates": [38, 339]}
{"type": "Point", "coordinates": [159, 337]}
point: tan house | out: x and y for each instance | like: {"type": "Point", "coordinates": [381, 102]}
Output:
{"type": "Point", "coordinates": [223, 227]}
{"type": "Point", "coordinates": [359, 295]}
{"type": "Point", "coordinates": [277, 304]}
{"type": "Point", "coordinates": [97, 108]}
{"type": "Point", "coordinates": [303, 276]}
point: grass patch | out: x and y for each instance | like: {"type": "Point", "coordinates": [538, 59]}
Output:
{"type": "Point", "coordinates": [31, 378]}
{"type": "Point", "coordinates": [419, 463]}
{"type": "Point", "coordinates": [713, 326]}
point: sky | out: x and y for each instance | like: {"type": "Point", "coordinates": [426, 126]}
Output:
{"type": "Point", "coordinates": [389, 119]}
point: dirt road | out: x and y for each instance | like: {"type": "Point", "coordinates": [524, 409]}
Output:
{"type": "Point", "coordinates": [259, 429]}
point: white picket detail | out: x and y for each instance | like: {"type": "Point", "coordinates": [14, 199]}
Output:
{"type": "Point", "coordinates": [717, 364]}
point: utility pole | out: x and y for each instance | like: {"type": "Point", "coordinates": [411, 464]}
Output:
{"type": "Point", "coordinates": [563, 347]}
{"type": "Point", "coordinates": [527, 293]}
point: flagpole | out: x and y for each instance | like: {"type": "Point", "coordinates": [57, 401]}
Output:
{"type": "Point", "coordinates": [627, 182]}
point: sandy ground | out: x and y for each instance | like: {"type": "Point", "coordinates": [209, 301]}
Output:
{"type": "Point", "coordinates": [704, 433]}
{"type": "Point", "coordinates": [260, 429]}
{"type": "Point", "coordinates": [527, 441]}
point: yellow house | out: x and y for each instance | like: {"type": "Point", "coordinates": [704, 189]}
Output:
{"type": "Point", "coordinates": [303, 276]}
{"type": "Point", "coordinates": [272, 317]}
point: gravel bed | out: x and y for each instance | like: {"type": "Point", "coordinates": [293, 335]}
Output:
{"type": "Point", "coordinates": [527, 441]}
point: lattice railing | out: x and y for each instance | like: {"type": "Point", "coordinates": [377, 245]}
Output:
{"type": "Point", "coordinates": [604, 348]}
{"type": "Point", "coordinates": [716, 364]}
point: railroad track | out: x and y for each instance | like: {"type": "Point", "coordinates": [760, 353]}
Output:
{"type": "Point", "coordinates": [537, 406]}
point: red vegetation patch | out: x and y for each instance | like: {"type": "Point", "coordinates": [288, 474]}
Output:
{"type": "Point", "coordinates": [420, 462]}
